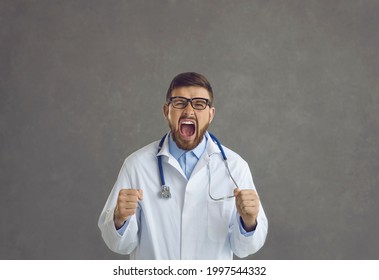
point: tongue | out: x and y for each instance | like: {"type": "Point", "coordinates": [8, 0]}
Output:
{"type": "Point", "coordinates": [188, 129]}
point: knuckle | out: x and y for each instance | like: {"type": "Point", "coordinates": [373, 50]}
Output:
{"type": "Point", "coordinates": [122, 192]}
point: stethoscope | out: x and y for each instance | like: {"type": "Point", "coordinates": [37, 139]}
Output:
{"type": "Point", "coordinates": [165, 190]}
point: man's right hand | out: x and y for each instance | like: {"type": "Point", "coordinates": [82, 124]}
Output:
{"type": "Point", "coordinates": [127, 202]}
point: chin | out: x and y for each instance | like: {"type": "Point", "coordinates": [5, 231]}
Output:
{"type": "Point", "coordinates": [188, 145]}
{"type": "Point", "coordinates": [185, 145]}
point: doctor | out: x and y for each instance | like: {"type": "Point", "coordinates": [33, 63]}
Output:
{"type": "Point", "coordinates": [185, 196]}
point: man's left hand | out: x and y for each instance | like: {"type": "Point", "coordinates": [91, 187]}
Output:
{"type": "Point", "coordinates": [247, 202]}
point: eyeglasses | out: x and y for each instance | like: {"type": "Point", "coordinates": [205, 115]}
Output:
{"type": "Point", "coordinates": [198, 103]}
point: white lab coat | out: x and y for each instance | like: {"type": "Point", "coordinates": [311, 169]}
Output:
{"type": "Point", "coordinates": [189, 225]}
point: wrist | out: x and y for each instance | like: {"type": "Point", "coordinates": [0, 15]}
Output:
{"type": "Point", "coordinates": [249, 226]}
{"type": "Point", "coordinates": [118, 221]}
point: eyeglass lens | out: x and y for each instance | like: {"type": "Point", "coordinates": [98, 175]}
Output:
{"type": "Point", "coordinates": [182, 102]}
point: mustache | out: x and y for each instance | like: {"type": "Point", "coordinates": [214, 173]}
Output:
{"type": "Point", "coordinates": [186, 116]}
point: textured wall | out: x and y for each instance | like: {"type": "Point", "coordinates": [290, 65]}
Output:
{"type": "Point", "coordinates": [297, 95]}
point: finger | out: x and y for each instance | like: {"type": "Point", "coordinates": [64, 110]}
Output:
{"type": "Point", "coordinates": [129, 192]}
{"type": "Point", "coordinates": [126, 209]}
{"type": "Point", "coordinates": [125, 213]}
{"type": "Point", "coordinates": [248, 195]}
{"type": "Point", "coordinates": [248, 192]}
{"type": "Point", "coordinates": [128, 205]}
{"type": "Point", "coordinates": [125, 199]}
{"type": "Point", "coordinates": [244, 192]}
{"type": "Point", "coordinates": [236, 192]}
{"type": "Point", "coordinates": [249, 209]}
{"type": "Point", "coordinates": [247, 203]}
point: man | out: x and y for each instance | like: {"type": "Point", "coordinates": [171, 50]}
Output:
{"type": "Point", "coordinates": [191, 205]}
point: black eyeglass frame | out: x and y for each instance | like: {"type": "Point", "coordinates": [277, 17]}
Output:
{"type": "Point", "coordinates": [190, 100]}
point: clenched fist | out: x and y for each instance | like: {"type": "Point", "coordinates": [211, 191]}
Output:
{"type": "Point", "coordinates": [247, 203]}
{"type": "Point", "coordinates": [127, 202]}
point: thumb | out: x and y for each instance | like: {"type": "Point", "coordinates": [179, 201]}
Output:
{"type": "Point", "coordinates": [236, 192]}
{"type": "Point", "coordinates": [140, 194]}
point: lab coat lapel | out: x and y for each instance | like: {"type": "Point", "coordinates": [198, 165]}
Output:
{"type": "Point", "coordinates": [168, 158]}
{"type": "Point", "coordinates": [210, 149]}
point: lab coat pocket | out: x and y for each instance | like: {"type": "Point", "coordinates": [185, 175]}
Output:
{"type": "Point", "coordinates": [219, 216]}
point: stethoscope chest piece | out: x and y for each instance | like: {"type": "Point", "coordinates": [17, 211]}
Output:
{"type": "Point", "coordinates": [165, 192]}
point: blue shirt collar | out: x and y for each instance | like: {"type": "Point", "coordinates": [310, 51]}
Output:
{"type": "Point", "coordinates": [177, 152]}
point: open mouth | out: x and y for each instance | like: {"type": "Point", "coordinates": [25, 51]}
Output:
{"type": "Point", "coordinates": [187, 128]}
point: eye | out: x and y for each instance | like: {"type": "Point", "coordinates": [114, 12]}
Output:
{"type": "Point", "coordinates": [180, 103]}
{"type": "Point", "coordinates": [199, 103]}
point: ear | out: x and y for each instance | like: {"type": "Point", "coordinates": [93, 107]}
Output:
{"type": "Point", "coordinates": [165, 110]}
{"type": "Point", "coordinates": [212, 112]}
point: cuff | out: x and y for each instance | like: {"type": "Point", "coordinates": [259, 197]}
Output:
{"type": "Point", "coordinates": [242, 230]}
{"type": "Point", "coordinates": [122, 229]}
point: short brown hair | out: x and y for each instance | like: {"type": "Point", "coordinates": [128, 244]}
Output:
{"type": "Point", "coordinates": [189, 79]}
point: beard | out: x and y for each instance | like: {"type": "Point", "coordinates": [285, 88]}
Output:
{"type": "Point", "coordinates": [185, 145]}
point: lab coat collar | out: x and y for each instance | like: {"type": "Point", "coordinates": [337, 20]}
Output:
{"type": "Point", "coordinates": [212, 147]}
{"type": "Point", "coordinates": [165, 149]}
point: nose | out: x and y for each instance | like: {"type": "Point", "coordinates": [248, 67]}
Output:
{"type": "Point", "coordinates": [188, 110]}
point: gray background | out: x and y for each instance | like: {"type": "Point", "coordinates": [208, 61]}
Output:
{"type": "Point", "coordinates": [82, 84]}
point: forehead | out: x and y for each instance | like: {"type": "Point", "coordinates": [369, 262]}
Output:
{"type": "Point", "coordinates": [191, 92]}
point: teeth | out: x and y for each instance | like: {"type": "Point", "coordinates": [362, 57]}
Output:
{"type": "Point", "coordinates": [187, 122]}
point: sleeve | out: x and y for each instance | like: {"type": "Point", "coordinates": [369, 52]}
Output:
{"type": "Point", "coordinates": [125, 242]}
{"type": "Point", "coordinates": [242, 243]}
